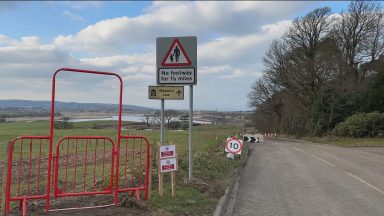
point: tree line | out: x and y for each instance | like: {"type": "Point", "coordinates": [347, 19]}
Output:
{"type": "Point", "coordinates": [325, 68]}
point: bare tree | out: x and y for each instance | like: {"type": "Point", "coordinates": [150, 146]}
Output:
{"type": "Point", "coordinates": [296, 69]}
{"type": "Point", "coordinates": [261, 92]}
{"type": "Point", "coordinates": [309, 72]}
{"type": "Point", "coordinates": [148, 117]}
{"type": "Point", "coordinates": [296, 63]}
{"type": "Point", "coordinates": [169, 115]}
{"type": "Point", "coordinates": [359, 35]}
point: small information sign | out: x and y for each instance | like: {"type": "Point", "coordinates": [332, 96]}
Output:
{"type": "Point", "coordinates": [166, 92]}
{"type": "Point", "coordinates": [168, 165]}
{"type": "Point", "coordinates": [167, 151]}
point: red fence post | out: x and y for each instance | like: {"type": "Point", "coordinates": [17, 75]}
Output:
{"type": "Point", "coordinates": [4, 186]}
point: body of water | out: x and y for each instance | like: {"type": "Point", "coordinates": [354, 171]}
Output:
{"type": "Point", "coordinates": [131, 118]}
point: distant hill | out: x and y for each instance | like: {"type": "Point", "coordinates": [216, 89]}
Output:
{"type": "Point", "coordinates": [66, 106]}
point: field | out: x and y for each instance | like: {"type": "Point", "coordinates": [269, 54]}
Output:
{"type": "Point", "coordinates": [211, 170]}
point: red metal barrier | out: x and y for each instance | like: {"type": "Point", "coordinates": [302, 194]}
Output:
{"type": "Point", "coordinates": [27, 170]}
{"type": "Point", "coordinates": [84, 166]}
{"type": "Point", "coordinates": [133, 169]}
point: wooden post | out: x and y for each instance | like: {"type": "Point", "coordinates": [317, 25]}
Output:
{"type": "Point", "coordinates": [173, 176]}
{"type": "Point", "coordinates": [173, 184]}
{"type": "Point", "coordinates": [161, 186]}
{"type": "Point", "coordinates": [5, 175]}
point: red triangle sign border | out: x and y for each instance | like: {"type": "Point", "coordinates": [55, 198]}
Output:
{"type": "Point", "coordinates": [188, 63]}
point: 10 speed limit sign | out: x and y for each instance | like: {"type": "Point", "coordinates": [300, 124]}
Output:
{"type": "Point", "coordinates": [234, 146]}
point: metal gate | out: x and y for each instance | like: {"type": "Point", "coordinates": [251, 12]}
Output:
{"type": "Point", "coordinates": [84, 166]}
{"type": "Point", "coordinates": [133, 166]}
{"type": "Point", "coordinates": [28, 172]}
{"type": "Point", "coordinates": [81, 165]}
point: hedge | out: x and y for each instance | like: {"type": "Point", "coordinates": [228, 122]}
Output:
{"type": "Point", "coordinates": [361, 125]}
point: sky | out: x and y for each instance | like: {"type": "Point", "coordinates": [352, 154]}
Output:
{"type": "Point", "coordinates": [39, 37]}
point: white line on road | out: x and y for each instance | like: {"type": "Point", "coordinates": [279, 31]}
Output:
{"type": "Point", "coordinates": [366, 183]}
{"type": "Point", "coordinates": [301, 150]}
{"type": "Point", "coordinates": [324, 160]}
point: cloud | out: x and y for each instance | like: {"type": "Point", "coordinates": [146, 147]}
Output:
{"type": "Point", "coordinates": [28, 66]}
{"type": "Point", "coordinates": [232, 39]}
{"type": "Point", "coordinates": [72, 16]}
{"type": "Point", "coordinates": [138, 67]}
{"type": "Point", "coordinates": [81, 5]}
{"type": "Point", "coordinates": [214, 69]}
{"type": "Point", "coordinates": [5, 41]}
{"type": "Point", "coordinates": [178, 18]}
{"type": "Point", "coordinates": [223, 62]}
{"type": "Point", "coordinates": [234, 74]}
{"type": "Point", "coordinates": [240, 50]}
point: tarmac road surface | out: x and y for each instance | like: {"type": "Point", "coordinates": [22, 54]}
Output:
{"type": "Point", "coordinates": [287, 177]}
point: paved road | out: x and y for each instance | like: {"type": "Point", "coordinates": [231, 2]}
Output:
{"type": "Point", "coordinates": [298, 178]}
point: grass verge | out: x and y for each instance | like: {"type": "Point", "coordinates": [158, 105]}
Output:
{"type": "Point", "coordinates": [211, 170]}
{"type": "Point", "coordinates": [345, 141]}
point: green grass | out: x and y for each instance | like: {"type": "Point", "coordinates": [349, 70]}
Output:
{"type": "Point", "coordinates": [212, 171]}
{"type": "Point", "coordinates": [188, 201]}
{"type": "Point", "coordinates": [347, 141]}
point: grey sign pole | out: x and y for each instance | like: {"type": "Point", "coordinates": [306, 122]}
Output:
{"type": "Point", "coordinates": [176, 64]}
{"type": "Point", "coordinates": [162, 123]}
{"type": "Point", "coordinates": [190, 130]}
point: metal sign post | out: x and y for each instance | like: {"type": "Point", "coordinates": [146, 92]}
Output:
{"type": "Point", "coordinates": [176, 64]}
{"type": "Point", "coordinates": [190, 132]}
{"type": "Point", "coordinates": [162, 122]}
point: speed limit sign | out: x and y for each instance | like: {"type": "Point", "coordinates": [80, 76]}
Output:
{"type": "Point", "coordinates": [234, 146]}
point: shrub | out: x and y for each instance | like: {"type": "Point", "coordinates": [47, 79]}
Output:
{"type": "Point", "coordinates": [185, 126]}
{"type": "Point", "coordinates": [174, 125]}
{"type": "Point", "coordinates": [361, 125]}
{"type": "Point", "coordinates": [63, 125]}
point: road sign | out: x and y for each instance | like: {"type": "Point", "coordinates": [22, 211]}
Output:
{"type": "Point", "coordinates": [167, 151]}
{"type": "Point", "coordinates": [253, 138]}
{"type": "Point", "coordinates": [250, 138]}
{"type": "Point", "coordinates": [176, 55]}
{"type": "Point", "coordinates": [176, 60]}
{"type": "Point", "coordinates": [233, 145]}
{"type": "Point", "coordinates": [178, 76]}
{"type": "Point", "coordinates": [168, 165]}
{"type": "Point", "coordinates": [166, 92]}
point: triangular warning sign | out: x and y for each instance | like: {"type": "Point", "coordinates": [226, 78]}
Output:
{"type": "Point", "coordinates": [176, 55]}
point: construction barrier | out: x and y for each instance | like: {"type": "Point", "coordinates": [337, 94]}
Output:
{"type": "Point", "coordinates": [270, 135]}
{"type": "Point", "coordinates": [80, 165]}
{"type": "Point", "coordinates": [84, 166]}
{"type": "Point", "coordinates": [133, 166]}
{"type": "Point", "coordinates": [28, 171]}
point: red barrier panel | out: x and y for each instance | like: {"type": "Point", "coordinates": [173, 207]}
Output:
{"type": "Point", "coordinates": [133, 169]}
{"type": "Point", "coordinates": [27, 170]}
{"type": "Point", "coordinates": [84, 166]}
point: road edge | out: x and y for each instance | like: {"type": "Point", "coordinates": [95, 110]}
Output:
{"type": "Point", "coordinates": [227, 202]}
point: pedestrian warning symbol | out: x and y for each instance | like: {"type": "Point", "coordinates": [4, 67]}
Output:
{"type": "Point", "coordinates": [176, 55]}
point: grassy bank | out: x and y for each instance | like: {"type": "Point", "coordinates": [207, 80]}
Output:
{"type": "Point", "coordinates": [211, 170]}
{"type": "Point", "coordinates": [348, 141]}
